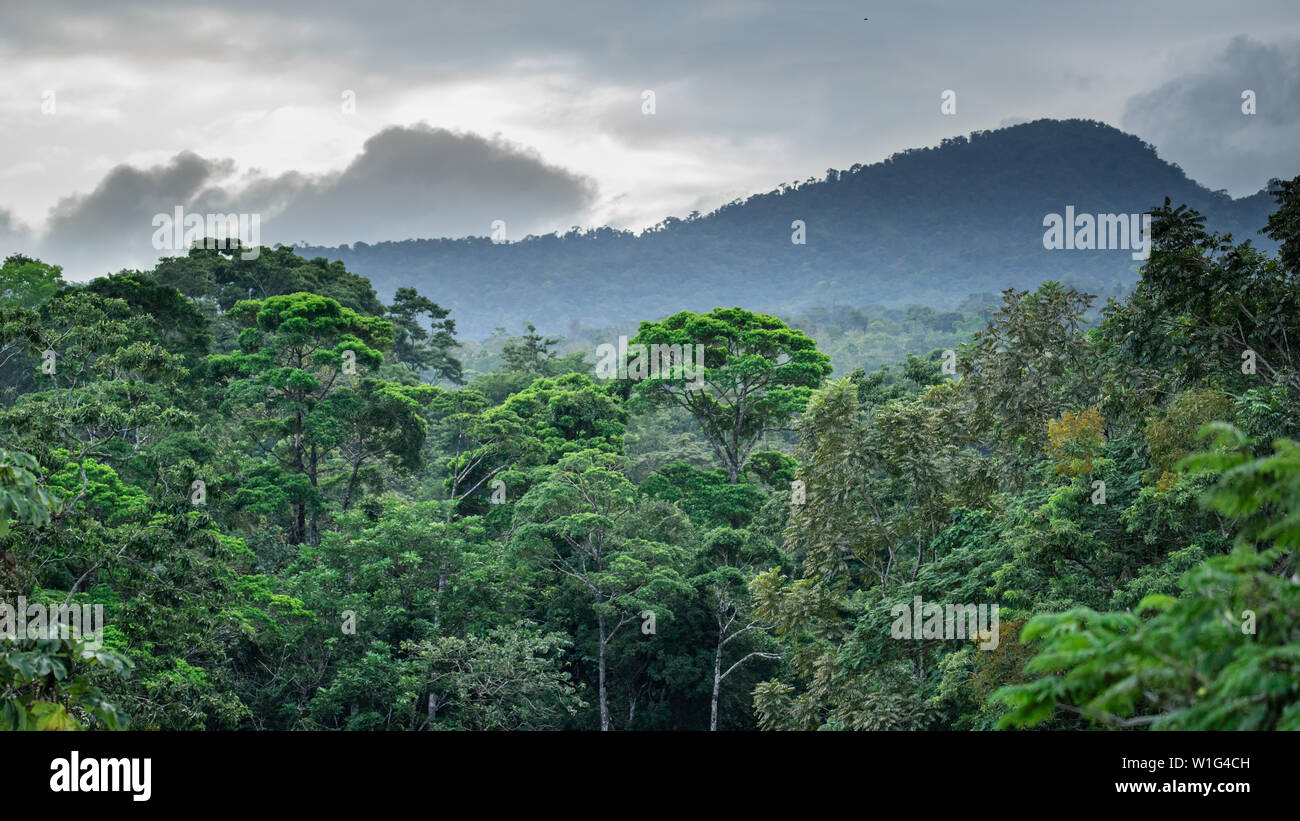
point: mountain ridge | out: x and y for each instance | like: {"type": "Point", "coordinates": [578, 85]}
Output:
{"type": "Point", "coordinates": [924, 226]}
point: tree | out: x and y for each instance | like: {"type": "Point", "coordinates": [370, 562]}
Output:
{"type": "Point", "coordinates": [708, 497]}
{"type": "Point", "coordinates": [727, 562]}
{"type": "Point", "coordinates": [374, 420]}
{"type": "Point", "coordinates": [531, 353]}
{"type": "Point", "coordinates": [21, 497]}
{"type": "Point", "coordinates": [104, 389]}
{"type": "Point", "coordinates": [206, 273]}
{"type": "Point", "coordinates": [1284, 223]}
{"type": "Point", "coordinates": [27, 282]}
{"type": "Point", "coordinates": [580, 522]}
{"type": "Point", "coordinates": [480, 443]}
{"type": "Point", "coordinates": [1028, 366]}
{"type": "Point", "coordinates": [291, 361]}
{"type": "Point", "coordinates": [511, 679]}
{"type": "Point", "coordinates": [40, 686]}
{"type": "Point", "coordinates": [45, 685]}
{"type": "Point", "coordinates": [178, 325]}
{"type": "Point", "coordinates": [535, 426]}
{"type": "Point", "coordinates": [757, 375]}
{"type": "Point", "coordinates": [384, 589]}
{"type": "Point", "coordinates": [1203, 303]}
{"type": "Point", "coordinates": [420, 349]}
{"type": "Point", "coordinates": [1224, 655]}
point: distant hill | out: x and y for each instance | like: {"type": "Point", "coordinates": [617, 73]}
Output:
{"type": "Point", "coordinates": [926, 226]}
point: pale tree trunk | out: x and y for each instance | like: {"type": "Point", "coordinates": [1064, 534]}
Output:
{"type": "Point", "coordinates": [437, 603]}
{"type": "Point", "coordinates": [720, 675]}
{"type": "Point", "coordinates": [717, 685]}
{"type": "Point", "coordinates": [604, 704]}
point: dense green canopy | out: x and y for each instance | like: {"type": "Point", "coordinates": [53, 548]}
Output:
{"type": "Point", "coordinates": [299, 508]}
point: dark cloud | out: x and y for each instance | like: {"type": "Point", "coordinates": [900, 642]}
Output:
{"type": "Point", "coordinates": [814, 75]}
{"type": "Point", "coordinates": [407, 182]}
{"type": "Point", "coordinates": [14, 236]}
{"type": "Point", "coordinates": [111, 227]}
{"type": "Point", "coordinates": [430, 182]}
{"type": "Point", "coordinates": [749, 92]}
{"type": "Point", "coordinates": [1196, 120]}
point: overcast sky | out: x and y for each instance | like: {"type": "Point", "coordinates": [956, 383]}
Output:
{"type": "Point", "coordinates": [532, 113]}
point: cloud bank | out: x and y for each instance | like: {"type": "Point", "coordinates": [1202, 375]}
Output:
{"type": "Point", "coordinates": [408, 181]}
{"type": "Point", "coordinates": [1197, 120]}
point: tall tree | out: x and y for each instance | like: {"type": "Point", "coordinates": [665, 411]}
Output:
{"type": "Point", "coordinates": [27, 282]}
{"type": "Point", "coordinates": [530, 353]}
{"type": "Point", "coordinates": [758, 374]}
{"type": "Point", "coordinates": [424, 349]}
{"type": "Point", "coordinates": [580, 521]}
{"type": "Point", "coordinates": [1028, 366]}
{"type": "Point", "coordinates": [294, 351]}
{"type": "Point", "coordinates": [727, 560]}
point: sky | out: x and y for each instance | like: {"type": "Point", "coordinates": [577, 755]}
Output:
{"type": "Point", "coordinates": [344, 122]}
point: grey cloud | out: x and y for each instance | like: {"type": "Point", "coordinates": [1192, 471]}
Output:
{"type": "Point", "coordinates": [787, 90]}
{"type": "Point", "coordinates": [1197, 120]}
{"type": "Point", "coordinates": [803, 73]}
{"type": "Point", "coordinates": [407, 182]}
{"type": "Point", "coordinates": [429, 182]}
{"type": "Point", "coordinates": [14, 236]}
{"type": "Point", "coordinates": [111, 227]}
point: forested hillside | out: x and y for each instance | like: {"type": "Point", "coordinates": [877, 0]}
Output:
{"type": "Point", "coordinates": [302, 506]}
{"type": "Point", "coordinates": [927, 226]}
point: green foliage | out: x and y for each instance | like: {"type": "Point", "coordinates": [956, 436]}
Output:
{"type": "Point", "coordinates": [530, 353]}
{"type": "Point", "coordinates": [758, 374]}
{"type": "Point", "coordinates": [1222, 655]}
{"type": "Point", "coordinates": [511, 679]}
{"type": "Point", "coordinates": [1028, 366]}
{"type": "Point", "coordinates": [289, 385]}
{"type": "Point", "coordinates": [208, 274]}
{"type": "Point", "coordinates": [44, 685]}
{"type": "Point", "coordinates": [178, 325]}
{"type": "Point", "coordinates": [581, 521]}
{"type": "Point", "coordinates": [21, 497]}
{"type": "Point", "coordinates": [707, 497]}
{"type": "Point", "coordinates": [1172, 435]}
{"type": "Point", "coordinates": [424, 350]}
{"type": "Point", "coordinates": [27, 282]}
{"type": "Point", "coordinates": [296, 515]}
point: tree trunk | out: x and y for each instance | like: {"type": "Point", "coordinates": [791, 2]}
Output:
{"type": "Point", "coordinates": [604, 704]}
{"type": "Point", "coordinates": [300, 509]}
{"type": "Point", "coordinates": [352, 484]}
{"type": "Point", "coordinates": [437, 603]}
{"type": "Point", "coordinates": [315, 528]}
{"type": "Point", "coordinates": [717, 685]}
